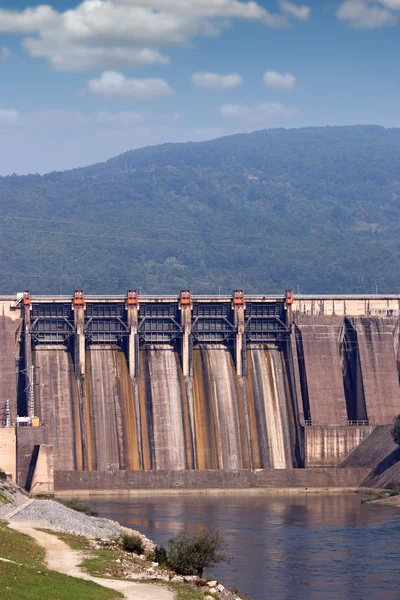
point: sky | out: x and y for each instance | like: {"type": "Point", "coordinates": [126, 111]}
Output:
{"type": "Point", "coordinates": [82, 81]}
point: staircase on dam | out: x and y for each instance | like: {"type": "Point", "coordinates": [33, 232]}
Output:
{"type": "Point", "coordinates": [208, 383]}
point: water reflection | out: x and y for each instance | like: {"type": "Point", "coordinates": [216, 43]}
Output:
{"type": "Point", "coordinates": [307, 547]}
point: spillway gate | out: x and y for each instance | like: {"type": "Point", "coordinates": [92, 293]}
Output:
{"type": "Point", "coordinates": [179, 322]}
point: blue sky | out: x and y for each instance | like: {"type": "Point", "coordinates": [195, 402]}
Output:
{"type": "Point", "coordinates": [83, 81]}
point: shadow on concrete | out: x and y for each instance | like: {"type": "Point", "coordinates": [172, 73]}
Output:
{"type": "Point", "coordinates": [386, 463]}
{"type": "Point", "coordinates": [32, 467]}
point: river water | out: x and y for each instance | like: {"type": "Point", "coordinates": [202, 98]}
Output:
{"type": "Point", "coordinates": [282, 546]}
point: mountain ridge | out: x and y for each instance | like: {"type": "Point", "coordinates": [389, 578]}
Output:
{"type": "Point", "coordinates": [316, 208]}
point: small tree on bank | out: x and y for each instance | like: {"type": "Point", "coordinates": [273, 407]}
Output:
{"type": "Point", "coordinates": [191, 553]}
{"type": "Point", "coordinates": [396, 430]}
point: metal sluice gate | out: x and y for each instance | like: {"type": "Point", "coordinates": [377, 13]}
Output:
{"type": "Point", "coordinates": [159, 321]}
{"type": "Point", "coordinates": [132, 322]}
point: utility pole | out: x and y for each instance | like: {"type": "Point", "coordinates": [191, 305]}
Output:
{"type": "Point", "coordinates": [8, 418]}
{"type": "Point", "coordinates": [31, 393]}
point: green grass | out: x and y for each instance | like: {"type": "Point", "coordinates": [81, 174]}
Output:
{"type": "Point", "coordinates": [372, 498]}
{"type": "Point", "coordinates": [75, 542]}
{"type": "Point", "coordinates": [187, 592]}
{"type": "Point", "coordinates": [103, 563]}
{"type": "Point", "coordinates": [100, 562]}
{"type": "Point", "coordinates": [4, 499]}
{"type": "Point", "coordinates": [20, 548]}
{"type": "Point", "coordinates": [79, 505]}
{"type": "Point", "coordinates": [381, 495]}
{"type": "Point", "coordinates": [31, 580]}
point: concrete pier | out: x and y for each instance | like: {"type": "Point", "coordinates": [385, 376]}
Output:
{"type": "Point", "coordinates": [79, 322]}
{"type": "Point", "coordinates": [185, 306]}
{"type": "Point", "coordinates": [132, 305]}
{"type": "Point", "coordinates": [29, 368]}
{"type": "Point", "coordinates": [239, 306]}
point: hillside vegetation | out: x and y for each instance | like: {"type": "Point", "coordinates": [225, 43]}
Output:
{"type": "Point", "coordinates": [317, 208]}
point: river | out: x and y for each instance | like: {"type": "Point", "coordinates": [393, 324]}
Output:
{"type": "Point", "coordinates": [309, 546]}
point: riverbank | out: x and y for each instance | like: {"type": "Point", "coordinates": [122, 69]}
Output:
{"type": "Point", "coordinates": [87, 548]}
{"type": "Point", "coordinates": [385, 497]}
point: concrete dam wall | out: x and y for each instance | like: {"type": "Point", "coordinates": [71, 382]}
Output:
{"type": "Point", "coordinates": [197, 383]}
{"type": "Point", "coordinates": [162, 422]}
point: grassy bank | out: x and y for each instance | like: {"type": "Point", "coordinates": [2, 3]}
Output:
{"type": "Point", "coordinates": [381, 495]}
{"type": "Point", "coordinates": [29, 579]}
{"type": "Point", "coordinates": [113, 562]}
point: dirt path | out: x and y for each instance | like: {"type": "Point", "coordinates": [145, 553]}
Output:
{"type": "Point", "coordinates": [60, 557]}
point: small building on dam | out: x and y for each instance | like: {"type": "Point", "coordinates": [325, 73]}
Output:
{"type": "Point", "coordinates": [101, 388]}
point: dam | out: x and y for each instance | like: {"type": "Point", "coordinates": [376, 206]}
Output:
{"type": "Point", "coordinates": [214, 384]}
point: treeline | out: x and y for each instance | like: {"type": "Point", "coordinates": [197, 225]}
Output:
{"type": "Point", "coordinates": [315, 208]}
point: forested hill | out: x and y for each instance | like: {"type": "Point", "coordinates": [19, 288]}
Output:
{"type": "Point", "coordinates": [317, 208]}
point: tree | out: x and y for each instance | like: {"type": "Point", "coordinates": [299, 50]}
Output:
{"type": "Point", "coordinates": [396, 430]}
{"type": "Point", "coordinates": [191, 553]}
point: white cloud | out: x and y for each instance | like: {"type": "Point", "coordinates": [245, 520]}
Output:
{"type": "Point", "coordinates": [258, 112]}
{"type": "Point", "coordinates": [112, 83]}
{"type": "Point", "coordinates": [283, 82]}
{"type": "Point", "coordinates": [215, 81]}
{"type": "Point", "coordinates": [366, 15]}
{"type": "Point", "coordinates": [72, 57]}
{"type": "Point", "coordinates": [8, 116]}
{"type": "Point", "coordinates": [110, 34]}
{"type": "Point", "coordinates": [392, 4]}
{"type": "Point", "coordinates": [302, 13]}
{"type": "Point", "coordinates": [30, 20]}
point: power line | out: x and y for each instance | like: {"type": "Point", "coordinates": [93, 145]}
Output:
{"type": "Point", "coordinates": [118, 235]}
{"type": "Point", "coordinates": [128, 232]}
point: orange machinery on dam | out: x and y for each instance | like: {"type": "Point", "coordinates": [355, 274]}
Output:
{"type": "Point", "coordinates": [188, 382]}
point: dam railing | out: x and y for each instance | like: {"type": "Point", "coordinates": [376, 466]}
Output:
{"type": "Point", "coordinates": [350, 423]}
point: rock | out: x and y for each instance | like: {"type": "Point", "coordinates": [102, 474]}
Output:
{"type": "Point", "coordinates": [212, 583]}
{"type": "Point", "coordinates": [190, 578]}
{"type": "Point", "coordinates": [177, 579]}
{"type": "Point", "coordinates": [155, 564]}
{"type": "Point", "coordinates": [208, 598]}
{"type": "Point", "coordinates": [213, 590]}
{"type": "Point", "coordinates": [118, 560]}
{"type": "Point", "coordinates": [220, 588]}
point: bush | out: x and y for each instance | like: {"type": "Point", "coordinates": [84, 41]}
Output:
{"type": "Point", "coordinates": [396, 430]}
{"type": "Point", "coordinates": [132, 543]}
{"type": "Point", "coordinates": [80, 506]}
{"type": "Point", "coordinates": [394, 492]}
{"type": "Point", "coordinates": [191, 553]}
{"type": "Point", "coordinates": [3, 475]}
{"type": "Point", "coordinates": [159, 555]}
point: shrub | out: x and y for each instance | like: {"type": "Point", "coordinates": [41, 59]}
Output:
{"type": "Point", "coordinates": [80, 506]}
{"type": "Point", "coordinates": [159, 555]}
{"type": "Point", "coordinates": [3, 475]}
{"type": "Point", "coordinates": [396, 430]}
{"type": "Point", "coordinates": [132, 543]}
{"type": "Point", "coordinates": [394, 492]}
{"type": "Point", "coordinates": [4, 499]}
{"type": "Point", "coordinates": [191, 553]}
